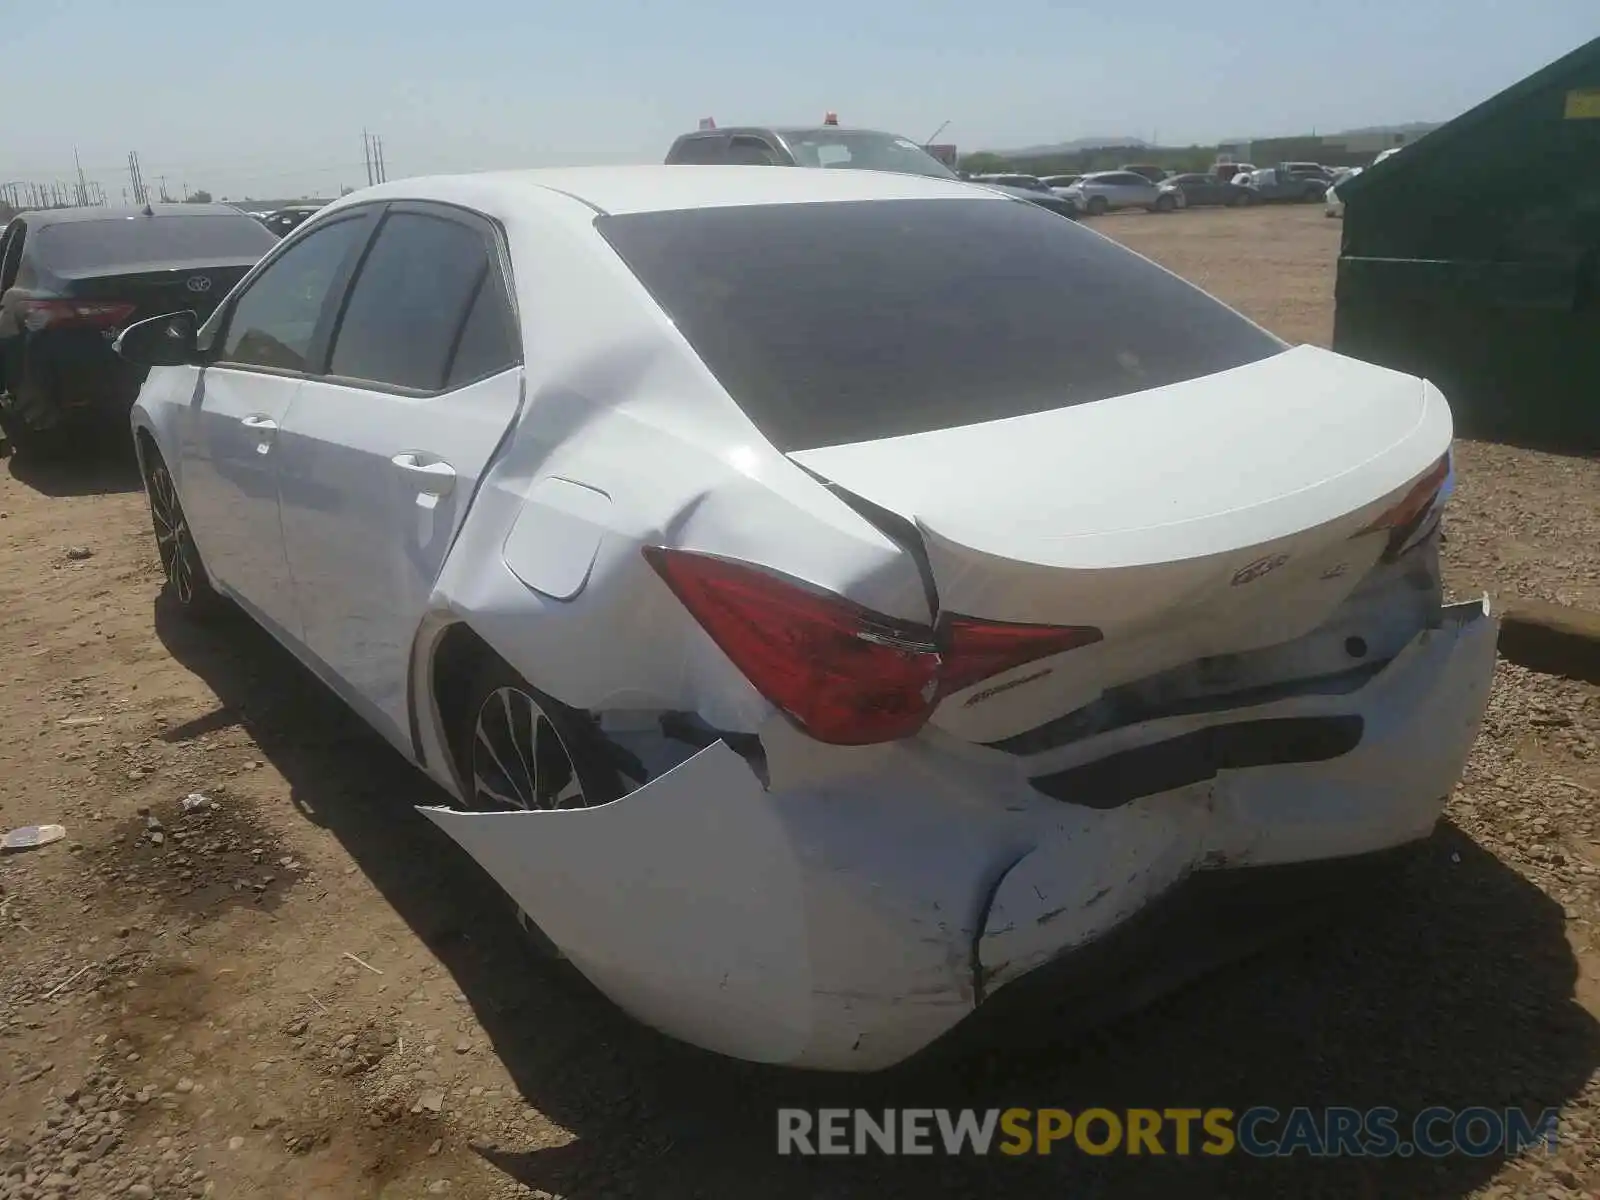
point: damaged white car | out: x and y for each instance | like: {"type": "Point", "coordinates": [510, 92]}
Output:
{"type": "Point", "coordinates": [838, 604]}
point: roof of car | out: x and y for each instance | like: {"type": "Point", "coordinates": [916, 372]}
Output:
{"type": "Point", "coordinates": [784, 130]}
{"type": "Point", "coordinates": [616, 190]}
{"type": "Point", "coordinates": [37, 218]}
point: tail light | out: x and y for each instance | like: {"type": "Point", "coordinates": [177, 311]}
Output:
{"type": "Point", "coordinates": [61, 314]}
{"type": "Point", "coordinates": [1405, 518]}
{"type": "Point", "coordinates": [975, 650]}
{"type": "Point", "coordinates": [843, 673]}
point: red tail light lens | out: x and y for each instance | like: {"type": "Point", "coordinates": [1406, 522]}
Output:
{"type": "Point", "coordinates": [845, 674]}
{"type": "Point", "coordinates": [1417, 500]}
{"type": "Point", "coordinates": [975, 650]}
{"type": "Point", "coordinates": [59, 314]}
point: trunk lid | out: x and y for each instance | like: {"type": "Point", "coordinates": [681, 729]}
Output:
{"type": "Point", "coordinates": [1206, 518]}
{"type": "Point", "coordinates": [155, 290]}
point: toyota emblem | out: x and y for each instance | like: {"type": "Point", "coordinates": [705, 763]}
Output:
{"type": "Point", "coordinates": [198, 283]}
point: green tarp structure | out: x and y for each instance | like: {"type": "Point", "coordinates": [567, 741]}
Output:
{"type": "Point", "coordinates": [1472, 258]}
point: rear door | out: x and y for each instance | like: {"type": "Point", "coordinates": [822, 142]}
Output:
{"type": "Point", "coordinates": [380, 458]}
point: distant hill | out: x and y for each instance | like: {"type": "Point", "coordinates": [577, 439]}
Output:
{"type": "Point", "coordinates": [1084, 143]}
{"type": "Point", "coordinates": [1410, 127]}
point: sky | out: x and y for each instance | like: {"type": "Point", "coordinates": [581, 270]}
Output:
{"type": "Point", "coordinates": [269, 99]}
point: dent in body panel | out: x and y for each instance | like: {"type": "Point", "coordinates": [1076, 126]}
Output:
{"type": "Point", "coordinates": [771, 928]}
{"type": "Point", "coordinates": [1420, 717]}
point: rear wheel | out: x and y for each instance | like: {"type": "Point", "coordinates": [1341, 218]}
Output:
{"type": "Point", "coordinates": [23, 438]}
{"type": "Point", "coordinates": [520, 750]}
{"type": "Point", "coordinates": [1165, 204]}
{"type": "Point", "coordinates": [187, 584]}
{"type": "Point", "coordinates": [1098, 206]}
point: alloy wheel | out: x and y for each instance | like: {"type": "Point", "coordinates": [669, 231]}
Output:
{"type": "Point", "coordinates": [520, 760]}
{"type": "Point", "coordinates": [173, 540]}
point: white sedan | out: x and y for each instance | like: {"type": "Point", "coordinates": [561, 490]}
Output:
{"type": "Point", "coordinates": [837, 604]}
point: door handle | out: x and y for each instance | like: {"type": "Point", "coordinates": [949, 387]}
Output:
{"type": "Point", "coordinates": [265, 426]}
{"type": "Point", "coordinates": [434, 478]}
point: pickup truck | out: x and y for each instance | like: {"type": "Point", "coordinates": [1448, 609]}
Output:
{"type": "Point", "coordinates": [1287, 183]}
{"type": "Point", "coordinates": [830, 146]}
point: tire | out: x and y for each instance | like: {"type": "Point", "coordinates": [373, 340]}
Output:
{"type": "Point", "coordinates": [1239, 201]}
{"type": "Point", "coordinates": [185, 583]}
{"type": "Point", "coordinates": [1097, 206]}
{"type": "Point", "coordinates": [22, 438]}
{"type": "Point", "coordinates": [509, 734]}
{"type": "Point", "coordinates": [1165, 204]}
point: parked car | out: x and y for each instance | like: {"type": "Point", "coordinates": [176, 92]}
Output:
{"type": "Point", "coordinates": [285, 221]}
{"type": "Point", "coordinates": [71, 278]}
{"type": "Point", "coordinates": [1029, 183]}
{"type": "Point", "coordinates": [1058, 183]}
{"type": "Point", "coordinates": [1274, 185]}
{"type": "Point", "coordinates": [1150, 171]}
{"type": "Point", "coordinates": [1199, 190]}
{"type": "Point", "coordinates": [1332, 205]}
{"type": "Point", "coordinates": [1230, 172]}
{"type": "Point", "coordinates": [822, 649]}
{"type": "Point", "coordinates": [1108, 191]}
{"type": "Point", "coordinates": [1306, 170]}
{"type": "Point", "coordinates": [831, 146]}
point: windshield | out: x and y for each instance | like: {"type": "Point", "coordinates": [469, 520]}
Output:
{"type": "Point", "coordinates": [143, 241]}
{"type": "Point", "coordinates": [864, 150]}
{"type": "Point", "coordinates": [845, 322]}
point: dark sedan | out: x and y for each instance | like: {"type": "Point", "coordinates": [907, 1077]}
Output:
{"type": "Point", "coordinates": [1202, 191]}
{"type": "Point", "coordinates": [72, 279]}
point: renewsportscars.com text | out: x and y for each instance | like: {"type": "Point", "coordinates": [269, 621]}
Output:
{"type": "Point", "coordinates": [1259, 1132]}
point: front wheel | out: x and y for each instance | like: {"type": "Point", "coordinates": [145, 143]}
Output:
{"type": "Point", "coordinates": [1165, 204]}
{"type": "Point", "coordinates": [1098, 206]}
{"type": "Point", "coordinates": [185, 579]}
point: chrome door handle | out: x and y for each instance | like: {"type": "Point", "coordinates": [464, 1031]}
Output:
{"type": "Point", "coordinates": [265, 426]}
{"type": "Point", "coordinates": [433, 478]}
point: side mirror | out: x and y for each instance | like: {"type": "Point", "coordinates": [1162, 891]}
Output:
{"type": "Point", "coordinates": [167, 341]}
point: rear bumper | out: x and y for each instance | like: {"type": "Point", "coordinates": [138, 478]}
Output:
{"type": "Point", "coordinates": [1212, 918]}
{"type": "Point", "coordinates": [872, 899]}
{"type": "Point", "coordinates": [78, 377]}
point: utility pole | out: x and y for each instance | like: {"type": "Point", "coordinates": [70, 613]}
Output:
{"type": "Point", "coordinates": [140, 196]}
{"type": "Point", "coordinates": [83, 187]}
{"type": "Point", "coordinates": [366, 153]}
{"type": "Point", "coordinates": [377, 154]}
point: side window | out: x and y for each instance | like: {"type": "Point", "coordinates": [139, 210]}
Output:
{"type": "Point", "coordinates": [700, 151]}
{"type": "Point", "coordinates": [488, 342]}
{"type": "Point", "coordinates": [274, 321]}
{"type": "Point", "coordinates": [408, 303]}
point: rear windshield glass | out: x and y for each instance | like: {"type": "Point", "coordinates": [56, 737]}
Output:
{"type": "Point", "coordinates": [844, 322]}
{"type": "Point", "coordinates": [137, 241]}
{"type": "Point", "coordinates": [863, 150]}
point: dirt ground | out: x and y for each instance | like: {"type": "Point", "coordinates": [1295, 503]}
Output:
{"type": "Point", "coordinates": [292, 986]}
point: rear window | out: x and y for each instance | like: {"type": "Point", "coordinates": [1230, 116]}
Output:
{"type": "Point", "coordinates": [138, 241]}
{"type": "Point", "coordinates": [844, 322]}
{"type": "Point", "coordinates": [863, 150]}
